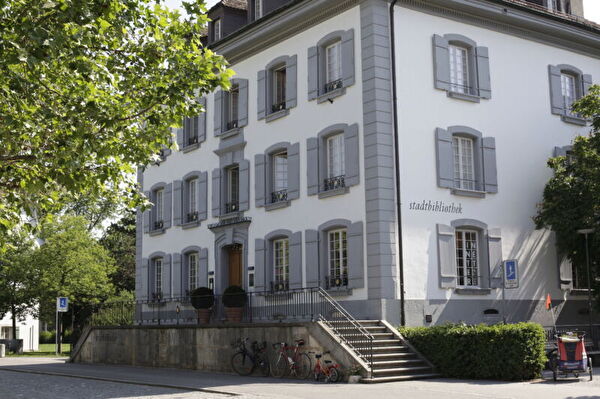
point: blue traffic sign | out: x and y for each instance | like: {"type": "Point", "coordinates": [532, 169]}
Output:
{"type": "Point", "coordinates": [511, 274]}
{"type": "Point", "coordinates": [62, 304]}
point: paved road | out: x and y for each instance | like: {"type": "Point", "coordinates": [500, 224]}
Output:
{"type": "Point", "coordinates": [37, 378]}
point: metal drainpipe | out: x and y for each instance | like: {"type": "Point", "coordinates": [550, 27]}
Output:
{"type": "Point", "coordinates": [397, 165]}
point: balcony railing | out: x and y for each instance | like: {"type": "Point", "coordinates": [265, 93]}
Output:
{"type": "Point", "coordinates": [333, 85]}
{"type": "Point", "coordinates": [281, 285]}
{"type": "Point", "coordinates": [278, 107]}
{"type": "Point", "coordinates": [464, 89]}
{"type": "Point", "coordinates": [158, 225]}
{"type": "Point", "coordinates": [232, 125]}
{"type": "Point", "coordinates": [332, 183]}
{"type": "Point", "coordinates": [336, 281]}
{"type": "Point", "coordinates": [192, 140]}
{"type": "Point", "coordinates": [279, 196]}
{"type": "Point", "coordinates": [191, 217]}
{"type": "Point", "coordinates": [231, 207]}
{"type": "Point", "coordinates": [468, 185]}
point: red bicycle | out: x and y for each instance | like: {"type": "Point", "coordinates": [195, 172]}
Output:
{"type": "Point", "coordinates": [289, 360]}
{"type": "Point", "coordinates": [329, 372]}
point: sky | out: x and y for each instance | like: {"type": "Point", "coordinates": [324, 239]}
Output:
{"type": "Point", "coordinates": [591, 7]}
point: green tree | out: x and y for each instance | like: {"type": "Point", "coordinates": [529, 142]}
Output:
{"type": "Point", "coordinates": [572, 196]}
{"type": "Point", "coordinates": [119, 241]}
{"type": "Point", "coordinates": [89, 90]}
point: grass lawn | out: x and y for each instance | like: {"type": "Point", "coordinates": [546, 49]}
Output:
{"type": "Point", "coordinates": [46, 350]}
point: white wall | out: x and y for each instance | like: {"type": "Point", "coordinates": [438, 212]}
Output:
{"type": "Point", "coordinates": [518, 116]}
{"type": "Point", "coordinates": [29, 331]}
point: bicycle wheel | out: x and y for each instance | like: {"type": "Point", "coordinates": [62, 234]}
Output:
{"type": "Point", "coordinates": [334, 375]}
{"type": "Point", "coordinates": [263, 364]}
{"type": "Point", "coordinates": [280, 366]}
{"type": "Point", "coordinates": [242, 364]}
{"type": "Point", "coordinates": [302, 367]}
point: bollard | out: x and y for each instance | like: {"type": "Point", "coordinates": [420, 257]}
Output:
{"type": "Point", "coordinates": [2, 350]}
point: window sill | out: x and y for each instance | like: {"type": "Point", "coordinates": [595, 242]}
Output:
{"type": "Point", "coordinates": [157, 232]}
{"type": "Point", "coordinates": [339, 291]}
{"type": "Point", "coordinates": [230, 133]}
{"type": "Point", "coordinates": [472, 291]}
{"type": "Point", "coordinates": [468, 193]}
{"type": "Point", "coordinates": [334, 192]}
{"type": "Point", "coordinates": [190, 147]}
{"type": "Point", "coordinates": [575, 120]}
{"type": "Point", "coordinates": [330, 95]}
{"type": "Point", "coordinates": [277, 205]}
{"type": "Point", "coordinates": [465, 97]}
{"type": "Point", "coordinates": [190, 225]}
{"type": "Point", "coordinates": [231, 215]}
{"type": "Point", "coordinates": [276, 115]}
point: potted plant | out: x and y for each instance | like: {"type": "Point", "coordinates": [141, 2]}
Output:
{"type": "Point", "coordinates": [202, 299]}
{"type": "Point", "coordinates": [354, 374]}
{"type": "Point", "coordinates": [234, 299]}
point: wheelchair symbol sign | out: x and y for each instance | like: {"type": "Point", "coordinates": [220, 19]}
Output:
{"type": "Point", "coordinates": [511, 274]}
{"type": "Point", "coordinates": [62, 304]}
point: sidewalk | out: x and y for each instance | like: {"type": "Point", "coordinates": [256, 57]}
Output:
{"type": "Point", "coordinates": [227, 385]}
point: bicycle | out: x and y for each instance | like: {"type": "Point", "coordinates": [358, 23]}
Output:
{"type": "Point", "coordinates": [245, 362]}
{"type": "Point", "coordinates": [329, 372]}
{"type": "Point", "coordinates": [289, 360]}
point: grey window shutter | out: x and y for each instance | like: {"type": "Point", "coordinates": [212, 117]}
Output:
{"type": "Point", "coordinates": [352, 161]}
{"type": "Point", "coordinates": [260, 167]}
{"type": "Point", "coordinates": [566, 272]}
{"type": "Point", "coordinates": [556, 97]}
{"type": "Point", "coordinates": [293, 170]}
{"type": "Point", "coordinates": [313, 73]}
{"type": "Point", "coordinates": [146, 215]}
{"type": "Point", "coordinates": [203, 196]}
{"type": "Point", "coordinates": [312, 165]}
{"type": "Point", "coordinates": [179, 133]}
{"type": "Point", "coordinates": [444, 158]}
{"type": "Point", "coordinates": [244, 166]}
{"type": "Point", "coordinates": [151, 278]}
{"type": "Point", "coordinates": [178, 289]}
{"type": "Point", "coordinates": [311, 249]}
{"type": "Point", "coordinates": [216, 192]}
{"type": "Point", "coordinates": [291, 82]}
{"type": "Point", "coordinates": [587, 82]}
{"type": "Point", "coordinates": [243, 103]}
{"type": "Point", "coordinates": [562, 151]}
{"type": "Point", "coordinates": [348, 58]}
{"type": "Point", "coordinates": [168, 204]}
{"type": "Point", "coordinates": [218, 113]}
{"type": "Point", "coordinates": [446, 256]}
{"type": "Point", "coordinates": [296, 260]}
{"type": "Point", "coordinates": [201, 121]}
{"type": "Point", "coordinates": [484, 82]}
{"type": "Point", "coordinates": [203, 268]}
{"type": "Point", "coordinates": [166, 276]}
{"type": "Point", "coordinates": [490, 173]}
{"type": "Point", "coordinates": [261, 94]}
{"type": "Point", "coordinates": [259, 264]}
{"type": "Point", "coordinates": [177, 202]}
{"type": "Point", "coordinates": [441, 63]}
{"type": "Point", "coordinates": [495, 257]}
{"type": "Point", "coordinates": [356, 274]}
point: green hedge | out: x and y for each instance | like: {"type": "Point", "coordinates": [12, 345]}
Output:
{"type": "Point", "coordinates": [500, 352]}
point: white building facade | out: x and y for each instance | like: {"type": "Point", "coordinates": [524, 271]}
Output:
{"type": "Point", "coordinates": [308, 173]}
{"type": "Point", "coordinates": [28, 330]}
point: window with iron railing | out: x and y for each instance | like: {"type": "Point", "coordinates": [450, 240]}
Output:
{"type": "Point", "coordinates": [278, 76]}
{"type": "Point", "coordinates": [233, 190]}
{"type": "Point", "coordinates": [337, 258]}
{"type": "Point", "coordinates": [281, 264]}
{"type": "Point", "coordinates": [335, 163]}
{"type": "Point", "coordinates": [333, 66]}
{"type": "Point", "coordinates": [158, 210]}
{"type": "Point", "coordinates": [459, 70]}
{"type": "Point", "coordinates": [232, 101]}
{"type": "Point", "coordinates": [280, 177]}
{"type": "Point", "coordinates": [464, 164]}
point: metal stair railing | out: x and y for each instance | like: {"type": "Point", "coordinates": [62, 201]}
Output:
{"type": "Point", "coordinates": [332, 314]}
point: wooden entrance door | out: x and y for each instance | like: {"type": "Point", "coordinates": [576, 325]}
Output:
{"type": "Point", "coordinates": [235, 266]}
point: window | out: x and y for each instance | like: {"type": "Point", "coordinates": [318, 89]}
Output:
{"type": "Point", "coordinates": [192, 192]}
{"type": "Point", "coordinates": [459, 69]}
{"type": "Point", "coordinates": [233, 189]}
{"type": "Point", "coordinates": [158, 275]}
{"type": "Point", "coordinates": [337, 259]}
{"type": "Point", "coordinates": [158, 209]}
{"type": "Point", "coordinates": [567, 85]}
{"type": "Point", "coordinates": [193, 270]}
{"type": "Point", "coordinates": [281, 264]}
{"type": "Point", "coordinates": [569, 92]}
{"type": "Point", "coordinates": [467, 258]}
{"type": "Point", "coordinates": [333, 54]}
{"type": "Point", "coordinates": [232, 107]}
{"type": "Point", "coordinates": [217, 29]}
{"type": "Point", "coordinates": [335, 162]}
{"type": "Point", "coordinates": [464, 176]}
{"type": "Point", "coordinates": [278, 76]}
{"type": "Point", "coordinates": [280, 177]}
{"type": "Point", "coordinates": [258, 9]}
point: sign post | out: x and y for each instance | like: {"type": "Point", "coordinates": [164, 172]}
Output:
{"type": "Point", "coordinates": [510, 280]}
{"type": "Point", "coordinates": [62, 305]}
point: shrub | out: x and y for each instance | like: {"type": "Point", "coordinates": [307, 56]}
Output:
{"type": "Point", "coordinates": [234, 297]}
{"type": "Point", "coordinates": [499, 352]}
{"type": "Point", "coordinates": [202, 298]}
{"type": "Point", "coordinates": [47, 337]}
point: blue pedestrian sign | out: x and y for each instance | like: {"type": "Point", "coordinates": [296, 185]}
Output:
{"type": "Point", "coordinates": [62, 304]}
{"type": "Point", "coordinates": [511, 274]}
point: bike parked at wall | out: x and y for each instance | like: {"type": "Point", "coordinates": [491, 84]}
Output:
{"type": "Point", "coordinates": [326, 370]}
{"type": "Point", "coordinates": [290, 360]}
{"type": "Point", "coordinates": [244, 362]}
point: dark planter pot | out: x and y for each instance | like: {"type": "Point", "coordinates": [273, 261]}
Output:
{"type": "Point", "coordinates": [234, 315]}
{"type": "Point", "coordinates": [203, 316]}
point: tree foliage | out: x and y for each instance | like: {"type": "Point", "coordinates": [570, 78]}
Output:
{"type": "Point", "coordinates": [572, 196]}
{"type": "Point", "coordinates": [119, 241]}
{"type": "Point", "coordinates": [89, 90]}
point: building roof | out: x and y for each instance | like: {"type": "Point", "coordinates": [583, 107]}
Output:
{"type": "Point", "coordinates": [556, 14]}
{"type": "Point", "coordinates": [237, 4]}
